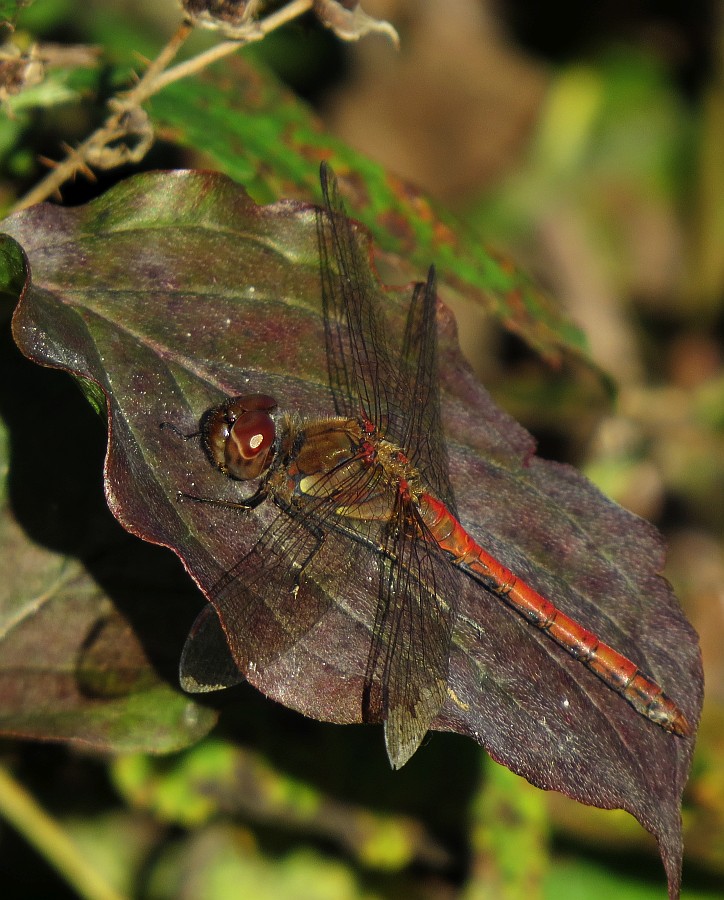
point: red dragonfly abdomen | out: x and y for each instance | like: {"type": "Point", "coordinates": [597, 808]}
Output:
{"type": "Point", "coordinates": [618, 672]}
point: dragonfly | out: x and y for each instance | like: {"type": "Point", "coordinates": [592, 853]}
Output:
{"type": "Point", "coordinates": [368, 489]}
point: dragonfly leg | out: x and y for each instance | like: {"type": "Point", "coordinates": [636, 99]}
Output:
{"type": "Point", "coordinates": [259, 496]}
{"type": "Point", "coordinates": [177, 431]}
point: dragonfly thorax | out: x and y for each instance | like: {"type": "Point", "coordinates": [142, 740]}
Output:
{"type": "Point", "coordinates": [341, 461]}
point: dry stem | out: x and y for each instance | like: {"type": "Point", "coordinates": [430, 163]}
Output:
{"type": "Point", "coordinates": [105, 148]}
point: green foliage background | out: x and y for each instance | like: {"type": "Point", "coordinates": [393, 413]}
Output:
{"type": "Point", "coordinates": [270, 805]}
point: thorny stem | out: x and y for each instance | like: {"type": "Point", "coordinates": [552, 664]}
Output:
{"type": "Point", "coordinates": [145, 86]}
{"type": "Point", "coordinates": [153, 80]}
{"type": "Point", "coordinates": [20, 809]}
{"type": "Point", "coordinates": [76, 161]}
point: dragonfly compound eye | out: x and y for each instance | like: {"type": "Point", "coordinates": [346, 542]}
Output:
{"type": "Point", "coordinates": [249, 443]}
{"type": "Point", "coordinates": [238, 435]}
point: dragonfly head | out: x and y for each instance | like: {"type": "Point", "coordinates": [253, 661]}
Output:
{"type": "Point", "coordinates": [239, 435]}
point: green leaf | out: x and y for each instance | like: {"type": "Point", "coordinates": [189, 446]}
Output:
{"type": "Point", "coordinates": [10, 8]}
{"type": "Point", "coordinates": [13, 271]}
{"type": "Point", "coordinates": [508, 861]}
{"type": "Point", "coordinates": [71, 667]}
{"type": "Point", "coordinates": [262, 136]}
{"type": "Point", "coordinates": [223, 862]}
{"type": "Point", "coordinates": [217, 778]}
{"type": "Point", "coordinates": [80, 622]}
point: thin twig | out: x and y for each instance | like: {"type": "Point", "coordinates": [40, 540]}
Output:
{"type": "Point", "coordinates": [76, 160]}
{"type": "Point", "coordinates": [21, 810]}
{"type": "Point", "coordinates": [138, 93]}
{"type": "Point", "coordinates": [219, 51]}
{"type": "Point", "coordinates": [126, 116]}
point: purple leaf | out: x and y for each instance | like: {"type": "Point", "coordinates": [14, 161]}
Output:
{"type": "Point", "coordinates": [174, 291]}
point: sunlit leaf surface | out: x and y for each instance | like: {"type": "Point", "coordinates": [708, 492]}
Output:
{"type": "Point", "coordinates": [175, 290]}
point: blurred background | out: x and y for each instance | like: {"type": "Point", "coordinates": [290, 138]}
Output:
{"type": "Point", "coordinates": [587, 142]}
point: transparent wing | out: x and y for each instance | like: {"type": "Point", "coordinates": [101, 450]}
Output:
{"type": "Point", "coordinates": [361, 373]}
{"type": "Point", "coordinates": [407, 673]}
{"type": "Point", "coordinates": [406, 679]}
{"type": "Point", "coordinates": [261, 601]}
{"type": "Point", "coordinates": [418, 387]}
{"type": "Point", "coordinates": [400, 398]}
{"type": "Point", "coordinates": [206, 660]}
{"type": "Point", "coordinates": [280, 589]}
